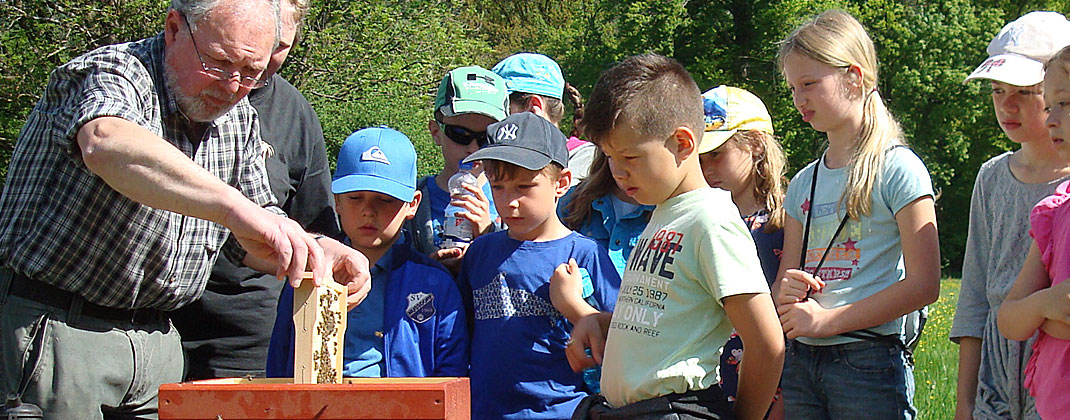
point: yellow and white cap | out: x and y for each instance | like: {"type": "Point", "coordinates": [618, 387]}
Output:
{"type": "Point", "coordinates": [728, 110]}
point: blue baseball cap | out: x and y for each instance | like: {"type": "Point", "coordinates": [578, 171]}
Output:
{"type": "Point", "coordinates": [377, 159]}
{"type": "Point", "coordinates": [532, 73]}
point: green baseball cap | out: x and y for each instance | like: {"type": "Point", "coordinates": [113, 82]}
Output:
{"type": "Point", "coordinates": [472, 90]}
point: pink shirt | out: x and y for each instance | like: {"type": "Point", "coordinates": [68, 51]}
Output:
{"type": "Point", "coordinates": [1048, 373]}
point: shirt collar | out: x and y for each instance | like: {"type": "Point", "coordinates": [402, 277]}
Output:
{"type": "Point", "coordinates": [604, 205]}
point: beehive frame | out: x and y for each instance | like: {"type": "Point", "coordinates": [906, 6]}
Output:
{"type": "Point", "coordinates": [319, 315]}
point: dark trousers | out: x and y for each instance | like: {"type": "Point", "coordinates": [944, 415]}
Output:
{"type": "Point", "coordinates": [707, 404]}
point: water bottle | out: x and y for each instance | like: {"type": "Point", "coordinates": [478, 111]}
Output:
{"type": "Point", "coordinates": [457, 231]}
{"type": "Point", "coordinates": [14, 408]}
{"type": "Point", "coordinates": [592, 376]}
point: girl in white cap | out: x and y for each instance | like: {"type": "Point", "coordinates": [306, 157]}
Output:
{"type": "Point", "coordinates": [991, 368]}
{"type": "Point", "coordinates": [1037, 303]}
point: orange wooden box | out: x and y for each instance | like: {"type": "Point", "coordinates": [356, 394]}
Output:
{"type": "Point", "coordinates": [356, 398]}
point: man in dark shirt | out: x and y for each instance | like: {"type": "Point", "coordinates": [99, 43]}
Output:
{"type": "Point", "coordinates": [226, 332]}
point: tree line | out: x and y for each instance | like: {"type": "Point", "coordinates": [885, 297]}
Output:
{"type": "Point", "coordinates": [378, 62]}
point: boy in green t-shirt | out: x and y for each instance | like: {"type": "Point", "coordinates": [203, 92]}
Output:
{"type": "Point", "coordinates": [693, 275]}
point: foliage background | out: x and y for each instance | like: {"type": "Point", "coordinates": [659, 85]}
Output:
{"type": "Point", "coordinates": [372, 62]}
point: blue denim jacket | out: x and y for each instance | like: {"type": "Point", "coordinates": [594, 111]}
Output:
{"type": "Point", "coordinates": [618, 237]}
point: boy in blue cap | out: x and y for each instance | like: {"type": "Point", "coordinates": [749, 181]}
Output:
{"type": "Point", "coordinates": [412, 323]}
{"type": "Point", "coordinates": [536, 84]}
{"type": "Point", "coordinates": [519, 368]}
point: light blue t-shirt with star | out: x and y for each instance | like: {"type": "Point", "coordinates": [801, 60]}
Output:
{"type": "Point", "coordinates": [867, 256]}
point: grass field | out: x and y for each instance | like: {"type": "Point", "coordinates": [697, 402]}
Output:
{"type": "Point", "coordinates": [936, 358]}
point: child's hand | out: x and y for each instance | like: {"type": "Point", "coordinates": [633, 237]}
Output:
{"type": "Point", "coordinates": [450, 257]}
{"type": "Point", "coordinates": [804, 319]}
{"type": "Point", "coordinates": [1057, 307]}
{"type": "Point", "coordinates": [566, 292]}
{"type": "Point", "coordinates": [356, 293]}
{"type": "Point", "coordinates": [795, 285]}
{"type": "Point", "coordinates": [589, 333]}
{"type": "Point", "coordinates": [478, 209]}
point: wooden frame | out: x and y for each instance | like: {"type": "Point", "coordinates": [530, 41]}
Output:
{"type": "Point", "coordinates": [319, 315]}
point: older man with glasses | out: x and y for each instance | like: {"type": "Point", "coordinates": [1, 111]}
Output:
{"type": "Point", "coordinates": [131, 170]}
{"type": "Point", "coordinates": [226, 332]}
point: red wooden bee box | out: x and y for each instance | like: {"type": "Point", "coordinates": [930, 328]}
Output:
{"type": "Point", "coordinates": [355, 398]}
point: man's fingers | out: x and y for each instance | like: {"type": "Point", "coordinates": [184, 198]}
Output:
{"type": "Point", "coordinates": [284, 256]}
{"type": "Point", "coordinates": [299, 260]}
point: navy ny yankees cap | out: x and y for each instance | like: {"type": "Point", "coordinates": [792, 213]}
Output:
{"type": "Point", "coordinates": [526, 140]}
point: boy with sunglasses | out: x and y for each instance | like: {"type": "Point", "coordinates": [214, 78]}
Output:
{"type": "Point", "coordinates": [468, 99]}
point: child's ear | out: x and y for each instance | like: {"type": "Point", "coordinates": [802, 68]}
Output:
{"type": "Point", "coordinates": [564, 182]}
{"type": "Point", "coordinates": [411, 207]}
{"type": "Point", "coordinates": [536, 105]}
{"type": "Point", "coordinates": [686, 142]}
{"type": "Point", "coordinates": [854, 78]}
{"type": "Point", "coordinates": [433, 128]}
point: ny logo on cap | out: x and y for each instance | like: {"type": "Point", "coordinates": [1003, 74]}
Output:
{"type": "Point", "coordinates": [506, 132]}
{"type": "Point", "coordinates": [374, 154]}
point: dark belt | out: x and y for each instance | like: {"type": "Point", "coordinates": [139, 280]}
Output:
{"type": "Point", "coordinates": [47, 294]}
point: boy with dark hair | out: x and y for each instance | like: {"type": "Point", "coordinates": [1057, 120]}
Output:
{"type": "Point", "coordinates": [694, 273]}
{"type": "Point", "coordinates": [412, 323]}
{"type": "Point", "coordinates": [519, 368]}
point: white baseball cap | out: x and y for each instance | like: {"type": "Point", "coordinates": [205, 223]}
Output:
{"type": "Point", "coordinates": [1017, 54]}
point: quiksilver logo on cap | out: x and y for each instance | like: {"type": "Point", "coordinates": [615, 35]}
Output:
{"type": "Point", "coordinates": [374, 154]}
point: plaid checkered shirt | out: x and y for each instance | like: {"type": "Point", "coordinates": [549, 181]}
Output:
{"type": "Point", "coordinates": [61, 224]}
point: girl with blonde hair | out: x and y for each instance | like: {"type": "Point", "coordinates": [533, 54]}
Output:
{"type": "Point", "coordinates": [861, 253]}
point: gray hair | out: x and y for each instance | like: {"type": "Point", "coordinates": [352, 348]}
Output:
{"type": "Point", "coordinates": [195, 10]}
{"type": "Point", "coordinates": [301, 9]}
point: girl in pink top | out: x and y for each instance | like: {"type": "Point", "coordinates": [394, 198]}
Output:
{"type": "Point", "coordinates": [1040, 297]}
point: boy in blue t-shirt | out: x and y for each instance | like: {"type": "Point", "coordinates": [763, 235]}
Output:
{"type": "Point", "coordinates": [412, 323]}
{"type": "Point", "coordinates": [519, 369]}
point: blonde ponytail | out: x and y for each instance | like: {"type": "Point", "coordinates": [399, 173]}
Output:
{"type": "Point", "coordinates": [837, 39]}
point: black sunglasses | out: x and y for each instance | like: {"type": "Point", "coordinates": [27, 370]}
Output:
{"type": "Point", "coordinates": [463, 136]}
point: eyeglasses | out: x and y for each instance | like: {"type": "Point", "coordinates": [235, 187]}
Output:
{"type": "Point", "coordinates": [218, 73]}
{"type": "Point", "coordinates": [463, 136]}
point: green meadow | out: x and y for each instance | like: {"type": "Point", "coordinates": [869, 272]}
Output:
{"type": "Point", "coordinates": [936, 358]}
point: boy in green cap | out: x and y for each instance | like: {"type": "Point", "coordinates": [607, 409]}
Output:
{"type": "Point", "coordinates": [468, 99]}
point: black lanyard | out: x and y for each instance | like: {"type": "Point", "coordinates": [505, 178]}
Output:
{"type": "Point", "coordinates": [806, 230]}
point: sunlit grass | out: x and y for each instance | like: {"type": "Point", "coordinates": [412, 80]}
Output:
{"type": "Point", "coordinates": [936, 358]}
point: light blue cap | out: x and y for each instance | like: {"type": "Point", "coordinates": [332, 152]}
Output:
{"type": "Point", "coordinates": [532, 73]}
{"type": "Point", "coordinates": [377, 159]}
